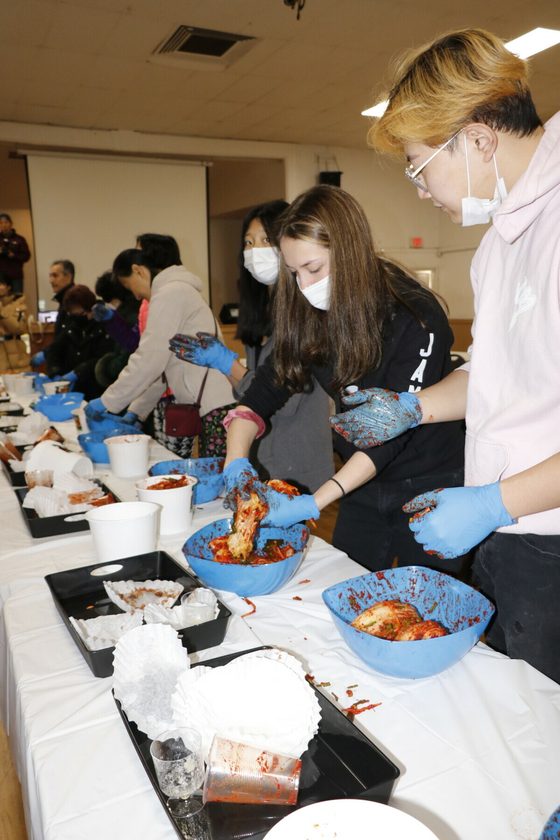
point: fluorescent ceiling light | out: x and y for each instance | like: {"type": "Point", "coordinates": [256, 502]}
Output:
{"type": "Point", "coordinates": [377, 110]}
{"type": "Point", "coordinates": [534, 42]}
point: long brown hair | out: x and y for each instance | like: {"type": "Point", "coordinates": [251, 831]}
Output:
{"type": "Point", "coordinates": [364, 289]}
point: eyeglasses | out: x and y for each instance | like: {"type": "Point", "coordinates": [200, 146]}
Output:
{"type": "Point", "coordinates": [412, 174]}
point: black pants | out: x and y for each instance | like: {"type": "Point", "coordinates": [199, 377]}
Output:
{"type": "Point", "coordinates": [372, 527]}
{"type": "Point", "coordinates": [520, 574]}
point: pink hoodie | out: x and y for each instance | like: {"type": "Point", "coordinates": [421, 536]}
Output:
{"type": "Point", "coordinates": [513, 405]}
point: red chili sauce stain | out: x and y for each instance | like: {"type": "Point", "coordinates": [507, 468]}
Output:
{"type": "Point", "coordinates": [297, 598]}
{"type": "Point", "coordinates": [303, 581]}
{"type": "Point", "coordinates": [254, 608]}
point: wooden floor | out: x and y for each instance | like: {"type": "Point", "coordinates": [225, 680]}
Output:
{"type": "Point", "coordinates": [12, 824]}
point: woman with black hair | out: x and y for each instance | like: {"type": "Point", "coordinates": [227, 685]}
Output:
{"type": "Point", "coordinates": [297, 443]}
{"type": "Point", "coordinates": [175, 305]}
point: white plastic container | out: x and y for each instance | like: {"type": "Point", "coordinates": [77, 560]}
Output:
{"type": "Point", "coordinates": [23, 386]}
{"type": "Point", "coordinates": [48, 455]}
{"type": "Point", "coordinates": [176, 503]}
{"type": "Point", "coordinates": [128, 455]}
{"type": "Point", "coordinates": [123, 529]}
{"type": "Point", "coordinates": [9, 379]}
{"type": "Point", "coordinates": [61, 386]}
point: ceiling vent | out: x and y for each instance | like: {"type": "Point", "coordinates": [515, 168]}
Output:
{"type": "Point", "coordinates": [201, 49]}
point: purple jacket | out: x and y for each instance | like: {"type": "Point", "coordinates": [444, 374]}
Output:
{"type": "Point", "coordinates": [118, 329]}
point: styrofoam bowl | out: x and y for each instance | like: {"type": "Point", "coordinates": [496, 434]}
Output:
{"type": "Point", "coordinates": [462, 610]}
{"type": "Point", "coordinates": [244, 580]}
{"type": "Point", "coordinates": [208, 471]}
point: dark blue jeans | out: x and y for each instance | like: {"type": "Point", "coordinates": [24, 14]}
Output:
{"type": "Point", "coordinates": [520, 574]}
{"type": "Point", "coordinates": [372, 527]}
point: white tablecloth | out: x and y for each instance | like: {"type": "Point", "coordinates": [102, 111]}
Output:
{"type": "Point", "coordinates": [478, 746]}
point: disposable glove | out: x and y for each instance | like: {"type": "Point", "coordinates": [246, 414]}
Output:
{"type": "Point", "coordinates": [381, 415]}
{"type": "Point", "coordinates": [102, 312]}
{"type": "Point", "coordinates": [71, 378]}
{"type": "Point", "coordinates": [204, 350]}
{"type": "Point", "coordinates": [240, 479]}
{"type": "Point", "coordinates": [284, 510]}
{"type": "Point", "coordinates": [37, 359]}
{"type": "Point", "coordinates": [95, 407]}
{"type": "Point", "coordinates": [130, 417]}
{"type": "Point", "coordinates": [457, 519]}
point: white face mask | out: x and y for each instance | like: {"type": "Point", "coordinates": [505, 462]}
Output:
{"type": "Point", "coordinates": [263, 263]}
{"type": "Point", "coordinates": [318, 294]}
{"type": "Point", "coordinates": [479, 211]}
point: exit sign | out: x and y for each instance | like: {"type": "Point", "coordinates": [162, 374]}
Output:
{"type": "Point", "coordinates": [416, 241]}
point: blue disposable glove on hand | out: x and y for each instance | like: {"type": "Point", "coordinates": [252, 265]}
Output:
{"type": "Point", "coordinates": [72, 378]}
{"type": "Point", "coordinates": [284, 510]}
{"type": "Point", "coordinates": [458, 518]}
{"type": "Point", "coordinates": [205, 350]}
{"type": "Point", "coordinates": [102, 312]}
{"type": "Point", "coordinates": [95, 407]}
{"type": "Point", "coordinates": [130, 417]}
{"type": "Point", "coordinates": [381, 415]}
{"type": "Point", "coordinates": [37, 359]}
{"type": "Point", "coordinates": [239, 479]}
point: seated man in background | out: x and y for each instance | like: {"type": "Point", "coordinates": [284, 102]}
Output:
{"type": "Point", "coordinates": [13, 323]}
{"type": "Point", "coordinates": [79, 344]}
{"type": "Point", "coordinates": [61, 278]}
{"type": "Point", "coordinates": [14, 252]}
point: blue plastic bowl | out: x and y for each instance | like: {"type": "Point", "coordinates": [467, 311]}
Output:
{"type": "Point", "coordinates": [59, 407]}
{"type": "Point", "coordinates": [462, 610]}
{"type": "Point", "coordinates": [100, 423]}
{"type": "Point", "coordinates": [93, 444]}
{"type": "Point", "coordinates": [207, 470]}
{"type": "Point", "coordinates": [244, 580]}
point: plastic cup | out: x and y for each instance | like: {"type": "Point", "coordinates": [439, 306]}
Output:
{"type": "Point", "coordinates": [128, 455]}
{"type": "Point", "coordinates": [123, 529]}
{"type": "Point", "coordinates": [198, 606]}
{"type": "Point", "coordinates": [176, 502]}
{"type": "Point", "coordinates": [39, 478]}
{"type": "Point", "coordinates": [61, 386]}
{"type": "Point", "coordinates": [23, 385]}
{"type": "Point", "coordinates": [243, 774]}
{"type": "Point", "coordinates": [48, 455]}
{"type": "Point", "coordinates": [177, 757]}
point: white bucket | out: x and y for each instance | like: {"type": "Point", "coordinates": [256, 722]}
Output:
{"type": "Point", "coordinates": [176, 503]}
{"type": "Point", "coordinates": [128, 455]}
{"type": "Point", "coordinates": [9, 379]}
{"type": "Point", "coordinates": [61, 386]}
{"type": "Point", "coordinates": [23, 385]}
{"type": "Point", "coordinates": [48, 455]}
{"type": "Point", "coordinates": [123, 529]}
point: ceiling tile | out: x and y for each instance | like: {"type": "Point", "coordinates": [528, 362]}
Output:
{"type": "Point", "coordinates": [80, 28]}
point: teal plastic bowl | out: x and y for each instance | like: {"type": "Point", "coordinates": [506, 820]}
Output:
{"type": "Point", "coordinates": [234, 577]}
{"type": "Point", "coordinates": [462, 610]}
{"type": "Point", "coordinates": [207, 470]}
{"type": "Point", "coordinates": [93, 443]}
{"type": "Point", "coordinates": [59, 407]}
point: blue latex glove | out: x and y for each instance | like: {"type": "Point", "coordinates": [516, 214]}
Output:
{"type": "Point", "coordinates": [381, 415]}
{"type": "Point", "coordinates": [37, 359]}
{"type": "Point", "coordinates": [72, 378]}
{"type": "Point", "coordinates": [284, 510]}
{"type": "Point", "coordinates": [458, 518]}
{"type": "Point", "coordinates": [205, 350]}
{"type": "Point", "coordinates": [102, 312]}
{"type": "Point", "coordinates": [239, 479]}
{"type": "Point", "coordinates": [95, 407]}
{"type": "Point", "coordinates": [131, 418]}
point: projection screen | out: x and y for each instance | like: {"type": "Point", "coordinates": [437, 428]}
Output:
{"type": "Point", "coordinates": [87, 209]}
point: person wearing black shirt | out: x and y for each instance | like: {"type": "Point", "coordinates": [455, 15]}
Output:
{"type": "Point", "coordinates": [349, 318]}
{"type": "Point", "coordinates": [14, 252]}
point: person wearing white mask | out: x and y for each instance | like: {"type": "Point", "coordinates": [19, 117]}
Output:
{"type": "Point", "coordinates": [349, 318]}
{"type": "Point", "coordinates": [469, 87]}
{"type": "Point", "coordinates": [297, 443]}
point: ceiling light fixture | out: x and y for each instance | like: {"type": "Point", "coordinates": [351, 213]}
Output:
{"type": "Point", "coordinates": [534, 42]}
{"type": "Point", "coordinates": [295, 4]}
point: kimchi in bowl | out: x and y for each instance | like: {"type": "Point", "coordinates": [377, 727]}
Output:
{"type": "Point", "coordinates": [245, 579]}
{"type": "Point", "coordinates": [459, 608]}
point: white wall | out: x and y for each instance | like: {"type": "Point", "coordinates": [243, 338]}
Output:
{"type": "Point", "coordinates": [391, 203]}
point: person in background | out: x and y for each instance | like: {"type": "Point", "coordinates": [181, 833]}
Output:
{"type": "Point", "coordinates": [13, 323]}
{"type": "Point", "coordinates": [13, 254]}
{"type": "Point", "coordinates": [80, 343]}
{"type": "Point", "coordinates": [351, 319]}
{"type": "Point", "coordinates": [116, 299]}
{"type": "Point", "coordinates": [176, 305]}
{"type": "Point", "coordinates": [461, 111]}
{"type": "Point", "coordinates": [61, 277]}
{"type": "Point", "coordinates": [297, 443]}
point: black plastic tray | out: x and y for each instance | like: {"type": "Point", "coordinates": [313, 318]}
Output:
{"type": "Point", "coordinates": [17, 479]}
{"type": "Point", "coordinates": [54, 526]}
{"type": "Point", "coordinates": [10, 412]}
{"type": "Point", "coordinates": [340, 763]}
{"type": "Point", "coordinates": [74, 592]}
